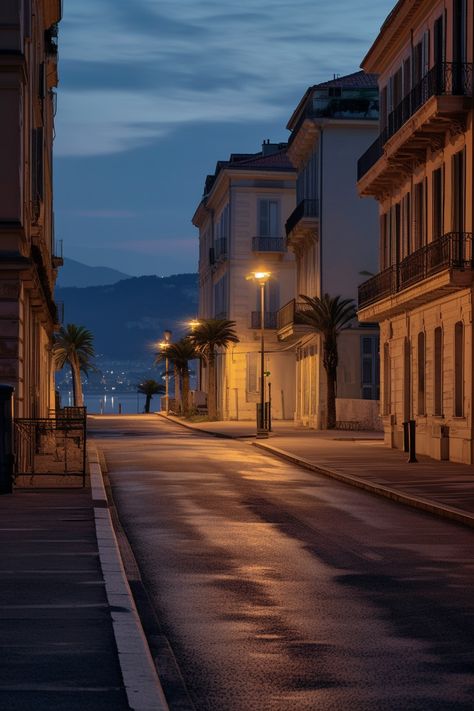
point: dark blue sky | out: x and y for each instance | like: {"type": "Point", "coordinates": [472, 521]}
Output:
{"type": "Point", "coordinates": [153, 92]}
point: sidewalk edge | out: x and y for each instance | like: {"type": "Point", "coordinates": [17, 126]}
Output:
{"type": "Point", "coordinates": [420, 503]}
{"type": "Point", "coordinates": [141, 681]}
{"type": "Point", "coordinates": [189, 426]}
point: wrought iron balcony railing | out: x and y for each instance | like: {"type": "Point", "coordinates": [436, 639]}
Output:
{"type": "Point", "coordinates": [290, 314]}
{"type": "Point", "coordinates": [452, 251]}
{"type": "Point", "coordinates": [270, 320]}
{"type": "Point", "coordinates": [305, 209]}
{"type": "Point", "coordinates": [268, 244]}
{"type": "Point", "coordinates": [444, 79]}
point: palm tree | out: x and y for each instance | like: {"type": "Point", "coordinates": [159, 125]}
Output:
{"type": "Point", "coordinates": [179, 354]}
{"type": "Point", "coordinates": [150, 388]}
{"type": "Point", "coordinates": [210, 334]}
{"type": "Point", "coordinates": [73, 345]}
{"type": "Point", "coordinates": [329, 316]}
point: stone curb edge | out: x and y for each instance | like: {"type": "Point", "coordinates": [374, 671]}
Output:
{"type": "Point", "coordinates": [142, 685]}
{"type": "Point", "coordinates": [448, 512]}
{"type": "Point", "coordinates": [189, 426]}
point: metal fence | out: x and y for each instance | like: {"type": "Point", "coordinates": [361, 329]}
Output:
{"type": "Point", "coordinates": [53, 446]}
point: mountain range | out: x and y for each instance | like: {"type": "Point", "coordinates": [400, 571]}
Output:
{"type": "Point", "coordinates": [74, 273]}
{"type": "Point", "coordinates": [129, 316]}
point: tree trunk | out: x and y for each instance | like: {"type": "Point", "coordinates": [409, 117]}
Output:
{"type": "Point", "coordinates": [185, 392]}
{"type": "Point", "coordinates": [211, 387]}
{"type": "Point", "coordinates": [76, 384]}
{"type": "Point", "coordinates": [331, 399]}
{"type": "Point", "coordinates": [147, 403]}
{"type": "Point", "coordinates": [177, 390]}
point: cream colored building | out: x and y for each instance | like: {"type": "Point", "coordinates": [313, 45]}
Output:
{"type": "Point", "coordinates": [241, 221]}
{"type": "Point", "coordinates": [420, 171]}
{"type": "Point", "coordinates": [334, 236]}
{"type": "Point", "coordinates": [28, 314]}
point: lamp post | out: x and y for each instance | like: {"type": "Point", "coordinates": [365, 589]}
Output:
{"type": "Point", "coordinates": [261, 278]}
{"type": "Point", "coordinates": [164, 345]}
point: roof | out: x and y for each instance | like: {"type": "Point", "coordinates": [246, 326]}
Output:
{"type": "Point", "coordinates": [252, 161]}
{"type": "Point", "coordinates": [356, 80]}
{"type": "Point", "coordinates": [400, 15]}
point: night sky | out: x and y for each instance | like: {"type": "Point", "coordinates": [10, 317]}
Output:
{"type": "Point", "coordinates": [153, 92]}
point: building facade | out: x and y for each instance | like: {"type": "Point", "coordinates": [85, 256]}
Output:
{"type": "Point", "coordinates": [420, 171]}
{"type": "Point", "coordinates": [241, 222]}
{"type": "Point", "coordinates": [333, 234]}
{"type": "Point", "coordinates": [28, 263]}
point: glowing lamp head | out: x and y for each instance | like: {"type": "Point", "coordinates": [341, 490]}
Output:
{"type": "Point", "coordinates": [261, 276]}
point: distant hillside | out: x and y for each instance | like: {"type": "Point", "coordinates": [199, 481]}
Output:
{"type": "Point", "coordinates": [77, 274]}
{"type": "Point", "coordinates": [127, 317]}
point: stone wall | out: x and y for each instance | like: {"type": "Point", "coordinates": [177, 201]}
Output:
{"type": "Point", "coordinates": [365, 413]}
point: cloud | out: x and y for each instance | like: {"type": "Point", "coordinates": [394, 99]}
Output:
{"type": "Point", "coordinates": [152, 66]}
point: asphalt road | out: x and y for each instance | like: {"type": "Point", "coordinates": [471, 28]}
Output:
{"type": "Point", "coordinates": [281, 589]}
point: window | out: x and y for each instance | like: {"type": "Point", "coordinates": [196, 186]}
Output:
{"type": "Point", "coordinates": [406, 242]}
{"type": "Point", "coordinates": [269, 218]}
{"type": "Point", "coordinates": [459, 369]}
{"type": "Point", "coordinates": [419, 215]}
{"type": "Point", "coordinates": [221, 298]}
{"type": "Point", "coordinates": [385, 240]}
{"type": "Point", "coordinates": [438, 203]}
{"type": "Point", "coordinates": [387, 386]}
{"type": "Point", "coordinates": [438, 371]}
{"type": "Point", "coordinates": [458, 191]}
{"type": "Point", "coordinates": [370, 367]}
{"type": "Point", "coordinates": [253, 360]}
{"type": "Point", "coordinates": [407, 380]}
{"type": "Point", "coordinates": [421, 374]}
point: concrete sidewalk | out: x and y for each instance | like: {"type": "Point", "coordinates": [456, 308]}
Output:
{"type": "Point", "coordinates": [58, 637]}
{"type": "Point", "coordinates": [362, 459]}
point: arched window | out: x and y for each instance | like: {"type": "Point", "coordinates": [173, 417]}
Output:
{"type": "Point", "coordinates": [421, 374]}
{"type": "Point", "coordinates": [459, 369]}
{"type": "Point", "coordinates": [438, 371]}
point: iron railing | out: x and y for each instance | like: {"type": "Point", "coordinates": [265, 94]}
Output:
{"type": "Point", "coordinates": [306, 208]}
{"type": "Point", "coordinates": [452, 251]}
{"type": "Point", "coordinates": [268, 244]}
{"type": "Point", "coordinates": [51, 446]}
{"type": "Point", "coordinates": [290, 314]}
{"type": "Point", "coordinates": [270, 320]}
{"type": "Point", "coordinates": [444, 79]}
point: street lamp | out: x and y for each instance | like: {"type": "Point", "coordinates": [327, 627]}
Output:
{"type": "Point", "coordinates": [261, 278]}
{"type": "Point", "coordinates": [164, 345]}
{"type": "Point", "coordinates": [194, 324]}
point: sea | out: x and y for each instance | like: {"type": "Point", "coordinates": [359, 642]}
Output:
{"type": "Point", "coordinates": [125, 403]}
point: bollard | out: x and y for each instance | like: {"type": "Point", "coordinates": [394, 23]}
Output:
{"type": "Point", "coordinates": [120, 408]}
{"type": "Point", "coordinates": [6, 439]}
{"type": "Point", "coordinates": [412, 458]}
{"type": "Point", "coordinates": [406, 437]}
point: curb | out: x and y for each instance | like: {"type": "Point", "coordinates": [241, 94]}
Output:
{"type": "Point", "coordinates": [142, 685]}
{"type": "Point", "coordinates": [189, 426]}
{"type": "Point", "coordinates": [448, 512]}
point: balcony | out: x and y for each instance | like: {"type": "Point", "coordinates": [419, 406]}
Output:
{"type": "Point", "coordinates": [439, 268]}
{"type": "Point", "coordinates": [303, 223]}
{"type": "Point", "coordinates": [438, 100]}
{"type": "Point", "coordinates": [268, 245]}
{"type": "Point", "coordinates": [270, 320]}
{"type": "Point", "coordinates": [289, 322]}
